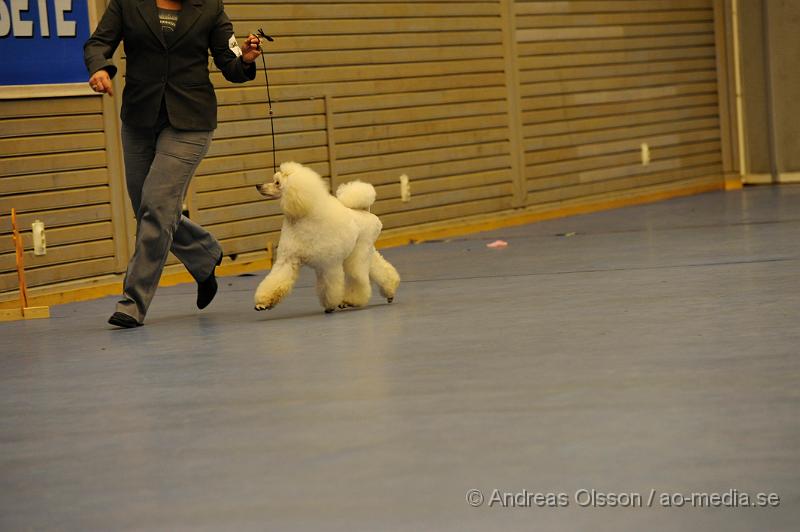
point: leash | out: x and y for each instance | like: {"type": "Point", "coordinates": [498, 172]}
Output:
{"type": "Point", "coordinates": [269, 99]}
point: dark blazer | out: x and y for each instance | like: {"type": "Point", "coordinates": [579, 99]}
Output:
{"type": "Point", "coordinates": [178, 74]}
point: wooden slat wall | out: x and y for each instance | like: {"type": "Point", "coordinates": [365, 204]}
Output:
{"type": "Point", "coordinates": [485, 105]}
{"type": "Point", "coordinates": [53, 167]}
{"type": "Point", "coordinates": [598, 78]}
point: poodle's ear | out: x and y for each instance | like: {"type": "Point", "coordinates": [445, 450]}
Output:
{"type": "Point", "coordinates": [293, 202]}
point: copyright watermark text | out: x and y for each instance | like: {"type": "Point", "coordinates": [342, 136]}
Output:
{"type": "Point", "coordinates": [592, 498]}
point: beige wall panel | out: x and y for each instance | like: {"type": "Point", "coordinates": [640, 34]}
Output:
{"type": "Point", "coordinates": [480, 163]}
{"type": "Point", "coordinates": [288, 28]}
{"type": "Point", "coordinates": [625, 95]}
{"type": "Point", "coordinates": [307, 45]}
{"type": "Point", "coordinates": [658, 42]}
{"type": "Point", "coordinates": [213, 182]}
{"type": "Point", "coordinates": [84, 269]}
{"type": "Point", "coordinates": [419, 98]}
{"type": "Point", "coordinates": [418, 114]}
{"type": "Point", "coordinates": [227, 196]}
{"type": "Point", "coordinates": [630, 108]}
{"type": "Point", "coordinates": [48, 125]}
{"type": "Point", "coordinates": [60, 255]}
{"type": "Point", "coordinates": [259, 226]}
{"type": "Point", "coordinates": [609, 32]}
{"type": "Point", "coordinates": [633, 69]}
{"type": "Point", "coordinates": [610, 19]}
{"type": "Point", "coordinates": [58, 162]}
{"type": "Point", "coordinates": [63, 235]}
{"type": "Point", "coordinates": [683, 176]}
{"type": "Point", "coordinates": [458, 182]}
{"type": "Point", "coordinates": [242, 112]}
{"type": "Point", "coordinates": [617, 121]}
{"type": "Point", "coordinates": [51, 144]}
{"type": "Point", "coordinates": [53, 168]}
{"type": "Point", "coordinates": [637, 132]}
{"type": "Point", "coordinates": [348, 10]}
{"type": "Point", "coordinates": [255, 208]}
{"type": "Point", "coordinates": [54, 181]}
{"type": "Point", "coordinates": [405, 130]}
{"type": "Point", "coordinates": [421, 143]}
{"type": "Point", "coordinates": [254, 93]}
{"type": "Point", "coordinates": [628, 161]}
{"type": "Point", "coordinates": [50, 107]}
{"type": "Point", "coordinates": [213, 165]}
{"type": "Point", "coordinates": [531, 88]}
{"type": "Point", "coordinates": [359, 58]}
{"type": "Point", "coordinates": [439, 213]}
{"type": "Point", "coordinates": [562, 64]}
{"type": "Point", "coordinates": [632, 170]}
{"type": "Point", "coordinates": [598, 79]}
{"type": "Point", "coordinates": [262, 144]}
{"type": "Point", "coordinates": [59, 218]}
{"type": "Point", "coordinates": [552, 6]}
{"type": "Point", "coordinates": [248, 243]}
{"type": "Point", "coordinates": [54, 200]}
{"type": "Point", "coordinates": [449, 197]}
{"type": "Point", "coordinates": [400, 161]}
{"type": "Point", "coordinates": [248, 128]}
{"type": "Point", "coordinates": [336, 74]}
{"type": "Point", "coordinates": [618, 146]}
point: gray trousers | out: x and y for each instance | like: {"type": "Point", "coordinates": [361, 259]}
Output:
{"type": "Point", "coordinates": [159, 164]}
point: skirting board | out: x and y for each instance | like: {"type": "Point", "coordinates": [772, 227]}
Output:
{"type": "Point", "coordinates": [766, 179]}
{"type": "Point", "coordinates": [28, 313]}
{"type": "Point", "coordinates": [733, 182]}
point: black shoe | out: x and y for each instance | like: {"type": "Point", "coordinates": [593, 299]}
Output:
{"type": "Point", "coordinates": [120, 319]}
{"type": "Point", "coordinates": [206, 290]}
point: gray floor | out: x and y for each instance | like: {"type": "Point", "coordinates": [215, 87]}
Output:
{"type": "Point", "coordinates": [654, 349]}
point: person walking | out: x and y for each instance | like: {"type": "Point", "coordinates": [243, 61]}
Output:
{"type": "Point", "coordinates": [169, 113]}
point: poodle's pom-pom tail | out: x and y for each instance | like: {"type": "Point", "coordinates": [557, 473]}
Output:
{"type": "Point", "coordinates": [356, 195]}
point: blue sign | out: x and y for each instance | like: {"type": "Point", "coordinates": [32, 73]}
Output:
{"type": "Point", "coordinates": [41, 41]}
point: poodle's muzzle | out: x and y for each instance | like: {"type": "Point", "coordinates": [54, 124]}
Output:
{"type": "Point", "coordinates": [269, 190]}
{"type": "Point", "coordinates": [272, 190]}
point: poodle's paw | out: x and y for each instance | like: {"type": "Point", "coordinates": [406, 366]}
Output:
{"type": "Point", "coordinates": [264, 302]}
{"type": "Point", "coordinates": [329, 310]}
{"type": "Point", "coordinates": [389, 300]}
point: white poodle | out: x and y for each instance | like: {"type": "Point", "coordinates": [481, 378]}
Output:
{"type": "Point", "coordinates": [333, 235]}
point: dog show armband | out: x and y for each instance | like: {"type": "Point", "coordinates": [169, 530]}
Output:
{"type": "Point", "coordinates": [234, 46]}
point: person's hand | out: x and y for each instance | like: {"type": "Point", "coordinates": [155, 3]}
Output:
{"type": "Point", "coordinates": [101, 82]}
{"type": "Point", "coordinates": [251, 49]}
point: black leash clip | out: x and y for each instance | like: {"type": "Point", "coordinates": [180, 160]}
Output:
{"type": "Point", "coordinates": [263, 35]}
